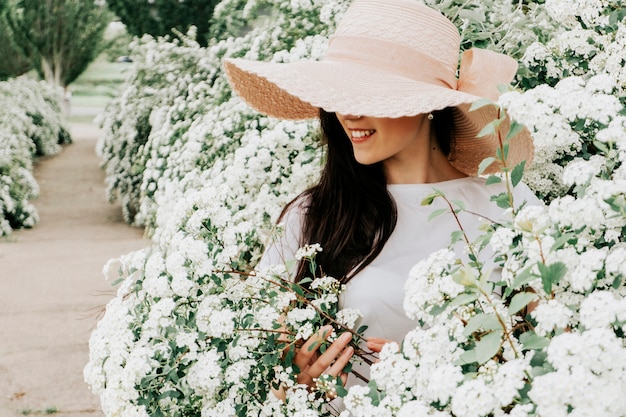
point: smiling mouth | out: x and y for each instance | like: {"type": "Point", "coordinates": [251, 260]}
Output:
{"type": "Point", "coordinates": [361, 135]}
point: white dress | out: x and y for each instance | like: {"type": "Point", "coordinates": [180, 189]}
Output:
{"type": "Point", "coordinates": [378, 291]}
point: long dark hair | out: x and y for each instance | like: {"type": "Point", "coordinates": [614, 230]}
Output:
{"type": "Point", "coordinates": [349, 212]}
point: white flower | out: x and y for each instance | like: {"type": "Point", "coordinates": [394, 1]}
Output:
{"type": "Point", "coordinates": [348, 317]}
{"type": "Point", "coordinates": [532, 219]}
{"type": "Point", "coordinates": [358, 402]}
{"type": "Point", "coordinates": [580, 172]}
{"type": "Point", "coordinates": [615, 265]}
{"type": "Point", "coordinates": [502, 239]}
{"type": "Point", "coordinates": [602, 309]}
{"type": "Point", "coordinates": [299, 315]}
{"type": "Point", "coordinates": [430, 283]}
{"type": "Point", "coordinates": [308, 251]}
{"type": "Point", "coordinates": [474, 399]}
{"type": "Point", "coordinates": [326, 283]}
{"type": "Point", "coordinates": [551, 315]}
{"type": "Point", "coordinates": [204, 376]}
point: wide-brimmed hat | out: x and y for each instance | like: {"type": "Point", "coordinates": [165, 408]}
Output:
{"type": "Point", "coordinates": [391, 58]}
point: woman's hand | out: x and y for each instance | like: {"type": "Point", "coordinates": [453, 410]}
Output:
{"type": "Point", "coordinates": [375, 344]}
{"type": "Point", "coordinates": [312, 364]}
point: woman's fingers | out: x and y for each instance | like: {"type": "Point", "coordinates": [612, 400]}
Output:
{"type": "Point", "coordinates": [309, 350]}
{"type": "Point", "coordinates": [335, 353]}
{"type": "Point", "coordinates": [312, 364]}
{"type": "Point", "coordinates": [337, 367]}
{"type": "Point", "coordinates": [375, 344]}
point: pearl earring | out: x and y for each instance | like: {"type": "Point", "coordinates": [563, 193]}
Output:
{"type": "Point", "coordinates": [430, 116]}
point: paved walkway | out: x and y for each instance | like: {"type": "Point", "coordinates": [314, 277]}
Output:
{"type": "Point", "coordinates": [52, 288]}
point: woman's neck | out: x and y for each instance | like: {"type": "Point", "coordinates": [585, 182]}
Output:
{"type": "Point", "coordinates": [425, 165]}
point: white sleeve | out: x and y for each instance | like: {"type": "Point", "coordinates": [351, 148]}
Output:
{"type": "Point", "coordinates": [284, 245]}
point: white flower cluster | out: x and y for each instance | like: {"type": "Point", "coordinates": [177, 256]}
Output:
{"type": "Point", "coordinates": [31, 125]}
{"type": "Point", "coordinates": [590, 41]}
{"type": "Point", "coordinates": [430, 284]}
{"type": "Point", "coordinates": [209, 177]}
{"type": "Point", "coordinates": [564, 120]}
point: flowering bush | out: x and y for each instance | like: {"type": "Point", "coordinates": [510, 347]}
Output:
{"type": "Point", "coordinates": [544, 338]}
{"type": "Point", "coordinates": [31, 125]}
{"type": "Point", "coordinates": [176, 114]}
{"type": "Point", "coordinates": [212, 341]}
{"type": "Point", "coordinates": [209, 177]}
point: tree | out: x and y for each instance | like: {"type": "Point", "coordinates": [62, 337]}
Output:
{"type": "Point", "coordinates": [13, 62]}
{"type": "Point", "coordinates": [58, 37]}
{"type": "Point", "coordinates": [159, 17]}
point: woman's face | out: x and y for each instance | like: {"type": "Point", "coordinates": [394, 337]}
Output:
{"type": "Point", "coordinates": [384, 139]}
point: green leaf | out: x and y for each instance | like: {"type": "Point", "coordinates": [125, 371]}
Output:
{"type": "Point", "coordinates": [521, 300]}
{"type": "Point", "coordinates": [562, 240]}
{"type": "Point", "coordinates": [517, 173]}
{"type": "Point", "coordinates": [436, 213]}
{"type": "Point", "coordinates": [484, 350]}
{"type": "Point", "coordinates": [341, 391]}
{"type": "Point", "coordinates": [438, 309]}
{"type": "Point", "coordinates": [485, 164]}
{"type": "Point", "coordinates": [489, 129]}
{"type": "Point", "coordinates": [523, 278]}
{"type": "Point", "coordinates": [514, 130]}
{"type": "Point", "coordinates": [502, 200]}
{"type": "Point", "coordinates": [551, 274]}
{"type": "Point", "coordinates": [480, 103]}
{"type": "Point", "coordinates": [456, 236]}
{"type": "Point", "coordinates": [428, 200]}
{"type": "Point", "coordinates": [288, 357]}
{"type": "Point", "coordinates": [460, 205]}
{"type": "Point", "coordinates": [482, 321]}
{"type": "Point", "coordinates": [304, 281]}
{"type": "Point", "coordinates": [463, 299]}
{"type": "Point", "coordinates": [493, 179]}
{"type": "Point", "coordinates": [362, 329]}
{"type": "Point", "coordinates": [169, 394]}
{"type": "Point", "coordinates": [532, 341]}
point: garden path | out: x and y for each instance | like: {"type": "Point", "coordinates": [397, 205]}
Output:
{"type": "Point", "coordinates": [51, 285]}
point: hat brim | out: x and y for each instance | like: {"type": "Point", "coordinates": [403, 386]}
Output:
{"type": "Point", "coordinates": [298, 90]}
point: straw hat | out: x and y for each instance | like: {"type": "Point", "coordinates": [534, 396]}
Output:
{"type": "Point", "coordinates": [391, 58]}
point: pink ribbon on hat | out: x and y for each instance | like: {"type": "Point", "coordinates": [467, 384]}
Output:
{"type": "Point", "coordinates": [480, 73]}
{"type": "Point", "coordinates": [483, 70]}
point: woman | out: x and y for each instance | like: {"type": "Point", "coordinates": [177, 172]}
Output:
{"type": "Point", "coordinates": [397, 124]}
